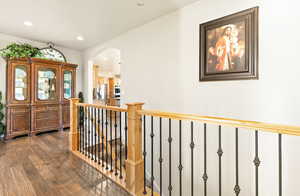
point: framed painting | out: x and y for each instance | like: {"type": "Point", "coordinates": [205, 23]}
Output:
{"type": "Point", "coordinates": [229, 47]}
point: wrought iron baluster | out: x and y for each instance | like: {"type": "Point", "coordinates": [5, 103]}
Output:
{"type": "Point", "coordinates": [95, 135]}
{"type": "Point", "coordinates": [220, 153]}
{"type": "Point", "coordinates": [78, 128]}
{"type": "Point", "coordinates": [205, 177]}
{"type": "Point", "coordinates": [106, 138]}
{"type": "Point", "coordinates": [180, 167]}
{"type": "Point", "coordinates": [82, 128]}
{"type": "Point", "coordinates": [93, 132]}
{"type": "Point", "coordinates": [152, 175]}
{"type": "Point", "coordinates": [126, 136]}
{"type": "Point", "coordinates": [237, 188]}
{"type": "Point", "coordinates": [99, 136]}
{"type": "Point", "coordinates": [144, 154]}
{"type": "Point", "coordinates": [89, 131]}
{"type": "Point", "coordinates": [192, 145]}
{"type": "Point", "coordinates": [85, 131]}
{"type": "Point", "coordinates": [170, 188]}
{"type": "Point", "coordinates": [102, 137]}
{"type": "Point", "coordinates": [256, 163]}
{"type": "Point", "coordinates": [121, 165]}
{"type": "Point", "coordinates": [280, 162]}
{"type": "Point", "coordinates": [116, 144]}
{"type": "Point", "coordinates": [111, 142]}
{"type": "Point", "coordinates": [160, 156]}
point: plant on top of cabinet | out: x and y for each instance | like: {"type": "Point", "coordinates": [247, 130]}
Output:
{"type": "Point", "coordinates": [15, 50]}
{"type": "Point", "coordinates": [2, 126]}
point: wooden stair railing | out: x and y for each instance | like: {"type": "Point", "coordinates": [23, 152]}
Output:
{"type": "Point", "coordinates": [93, 138]}
{"type": "Point", "coordinates": [144, 130]}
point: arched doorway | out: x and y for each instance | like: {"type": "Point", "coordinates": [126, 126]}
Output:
{"type": "Point", "coordinates": [107, 77]}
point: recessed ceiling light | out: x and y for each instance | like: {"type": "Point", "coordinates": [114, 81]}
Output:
{"type": "Point", "coordinates": [140, 4]}
{"type": "Point", "coordinates": [80, 38]}
{"type": "Point", "coordinates": [28, 23]}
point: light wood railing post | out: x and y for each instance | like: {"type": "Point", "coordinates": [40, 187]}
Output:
{"type": "Point", "coordinates": [134, 162]}
{"type": "Point", "coordinates": [73, 137]}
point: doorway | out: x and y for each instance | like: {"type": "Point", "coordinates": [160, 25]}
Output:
{"type": "Point", "coordinates": [107, 77]}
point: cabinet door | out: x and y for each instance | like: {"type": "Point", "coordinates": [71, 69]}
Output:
{"type": "Point", "coordinates": [46, 84]}
{"type": "Point", "coordinates": [18, 121]}
{"type": "Point", "coordinates": [68, 92]}
{"type": "Point", "coordinates": [19, 83]}
{"type": "Point", "coordinates": [68, 84]}
{"type": "Point", "coordinates": [66, 115]}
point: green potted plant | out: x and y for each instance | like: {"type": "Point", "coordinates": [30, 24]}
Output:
{"type": "Point", "coordinates": [2, 126]}
{"type": "Point", "coordinates": [16, 50]}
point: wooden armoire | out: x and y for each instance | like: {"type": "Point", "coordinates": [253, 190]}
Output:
{"type": "Point", "coordinates": [37, 95]}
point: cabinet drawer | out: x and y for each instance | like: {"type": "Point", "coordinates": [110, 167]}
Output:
{"type": "Point", "coordinates": [45, 123]}
{"type": "Point", "coordinates": [47, 115]}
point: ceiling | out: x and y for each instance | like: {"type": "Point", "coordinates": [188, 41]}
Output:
{"type": "Point", "coordinates": [61, 21]}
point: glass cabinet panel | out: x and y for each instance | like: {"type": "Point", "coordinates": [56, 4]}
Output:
{"type": "Point", "coordinates": [20, 83]}
{"type": "Point", "coordinates": [67, 84]}
{"type": "Point", "coordinates": [47, 84]}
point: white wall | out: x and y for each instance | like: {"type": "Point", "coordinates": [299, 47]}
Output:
{"type": "Point", "coordinates": [160, 66]}
{"type": "Point", "coordinates": [73, 56]}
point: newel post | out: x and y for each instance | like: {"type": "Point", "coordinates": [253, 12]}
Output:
{"type": "Point", "coordinates": [134, 162]}
{"type": "Point", "coordinates": [73, 141]}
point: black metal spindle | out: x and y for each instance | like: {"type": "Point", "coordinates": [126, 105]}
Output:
{"type": "Point", "coordinates": [192, 145]}
{"type": "Point", "coordinates": [116, 145]}
{"type": "Point", "coordinates": [180, 167]}
{"type": "Point", "coordinates": [170, 157]}
{"type": "Point", "coordinates": [237, 188]}
{"type": "Point", "coordinates": [99, 136]}
{"type": "Point", "coordinates": [152, 137]}
{"type": "Point", "coordinates": [106, 138]}
{"type": "Point", "coordinates": [78, 128]}
{"type": "Point", "coordinates": [89, 131]}
{"type": "Point", "coordinates": [205, 177]}
{"type": "Point", "coordinates": [126, 136]}
{"type": "Point", "coordinates": [95, 135]}
{"type": "Point", "coordinates": [85, 132]}
{"type": "Point", "coordinates": [280, 162]}
{"type": "Point", "coordinates": [111, 142]}
{"type": "Point", "coordinates": [102, 137]}
{"type": "Point", "coordinates": [220, 153]}
{"type": "Point", "coordinates": [82, 128]}
{"type": "Point", "coordinates": [144, 154]}
{"type": "Point", "coordinates": [256, 163]}
{"type": "Point", "coordinates": [160, 155]}
{"type": "Point", "coordinates": [121, 165]}
{"type": "Point", "coordinates": [91, 134]}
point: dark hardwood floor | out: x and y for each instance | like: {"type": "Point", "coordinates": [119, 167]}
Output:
{"type": "Point", "coordinates": [43, 165]}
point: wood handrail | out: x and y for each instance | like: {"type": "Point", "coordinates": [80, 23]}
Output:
{"type": "Point", "coordinates": [252, 125]}
{"type": "Point", "coordinates": [112, 108]}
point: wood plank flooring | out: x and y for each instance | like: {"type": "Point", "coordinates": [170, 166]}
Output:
{"type": "Point", "coordinates": [42, 165]}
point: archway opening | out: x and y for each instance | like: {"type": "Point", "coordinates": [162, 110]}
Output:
{"type": "Point", "coordinates": [107, 77]}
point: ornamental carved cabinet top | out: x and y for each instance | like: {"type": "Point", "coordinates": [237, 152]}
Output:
{"type": "Point", "coordinates": [38, 93]}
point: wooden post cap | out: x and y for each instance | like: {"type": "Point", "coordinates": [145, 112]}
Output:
{"type": "Point", "coordinates": [136, 103]}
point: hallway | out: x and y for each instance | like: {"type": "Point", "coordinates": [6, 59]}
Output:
{"type": "Point", "coordinates": [43, 165]}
